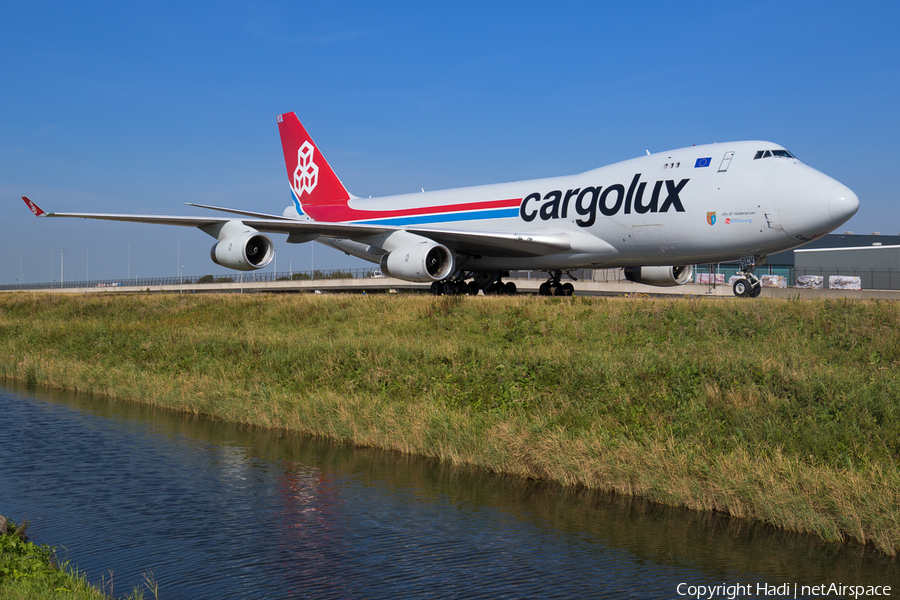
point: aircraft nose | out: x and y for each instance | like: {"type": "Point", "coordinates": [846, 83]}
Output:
{"type": "Point", "coordinates": [842, 204]}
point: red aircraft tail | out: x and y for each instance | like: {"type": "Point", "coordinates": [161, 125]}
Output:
{"type": "Point", "coordinates": [313, 182]}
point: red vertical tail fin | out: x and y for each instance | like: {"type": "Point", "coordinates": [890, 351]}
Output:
{"type": "Point", "coordinates": [313, 182]}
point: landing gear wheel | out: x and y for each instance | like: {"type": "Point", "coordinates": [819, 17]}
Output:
{"type": "Point", "coordinates": [567, 289]}
{"type": "Point", "coordinates": [473, 288]}
{"type": "Point", "coordinates": [437, 288]}
{"type": "Point", "coordinates": [544, 289]}
{"type": "Point", "coordinates": [742, 288]}
{"type": "Point", "coordinates": [747, 284]}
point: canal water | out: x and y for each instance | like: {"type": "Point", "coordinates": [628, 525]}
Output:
{"type": "Point", "coordinates": [213, 510]}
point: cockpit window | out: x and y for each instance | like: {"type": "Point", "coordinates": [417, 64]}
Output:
{"type": "Point", "coordinates": [775, 153]}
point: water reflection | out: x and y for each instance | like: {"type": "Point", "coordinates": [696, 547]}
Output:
{"type": "Point", "coordinates": [223, 511]}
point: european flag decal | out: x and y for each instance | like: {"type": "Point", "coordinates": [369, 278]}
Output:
{"type": "Point", "coordinates": [702, 162]}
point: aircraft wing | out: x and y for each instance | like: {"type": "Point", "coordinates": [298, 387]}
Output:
{"type": "Point", "coordinates": [492, 243]}
{"type": "Point", "coordinates": [269, 224]}
{"type": "Point", "coordinates": [483, 242]}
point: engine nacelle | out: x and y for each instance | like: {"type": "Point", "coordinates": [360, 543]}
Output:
{"type": "Point", "coordinates": [660, 276]}
{"type": "Point", "coordinates": [428, 261]}
{"type": "Point", "coordinates": [246, 251]}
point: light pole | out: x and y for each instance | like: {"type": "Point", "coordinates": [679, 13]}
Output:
{"type": "Point", "coordinates": [129, 262]}
{"type": "Point", "coordinates": [86, 277]}
{"type": "Point", "coordinates": [290, 269]}
{"type": "Point", "coordinates": [20, 270]}
{"type": "Point", "coordinates": [179, 255]}
{"type": "Point", "coordinates": [61, 261]}
{"type": "Point", "coordinates": [181, 278]}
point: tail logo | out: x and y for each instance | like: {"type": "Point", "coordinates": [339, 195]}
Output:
{"type": "Point", "coordinates": [306, 175]}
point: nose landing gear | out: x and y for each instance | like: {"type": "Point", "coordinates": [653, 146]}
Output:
{"type": "Point", "coordinates": [748, 284]}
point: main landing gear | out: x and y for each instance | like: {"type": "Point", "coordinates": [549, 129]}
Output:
{"type": "Point", "coordinates": [553, 287]}
{"type": "Point", "coordinates": [748, 284]}
{"type": "Point", "coordinates": [491, 284]}
{"type": "Point", "coordinates": [448, 287]}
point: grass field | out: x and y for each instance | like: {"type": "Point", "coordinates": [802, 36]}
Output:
{"type": "Point", "coordinates": [784, 412]}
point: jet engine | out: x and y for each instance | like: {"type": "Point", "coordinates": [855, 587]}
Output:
{"type": "Point", "coordinates": [660, 276]}
{"type": "Point", "coordinates": [428, 261]}
{"type": "Point", "coordinates": [246, 251]}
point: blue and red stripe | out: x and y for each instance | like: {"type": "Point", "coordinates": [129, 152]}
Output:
{"type": "Point", "coordinates": [341, 212]}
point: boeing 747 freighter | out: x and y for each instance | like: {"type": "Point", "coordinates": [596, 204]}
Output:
{"type": "Point", "coordinates": [655, 215]}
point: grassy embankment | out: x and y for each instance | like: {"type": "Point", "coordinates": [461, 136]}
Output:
{"type": "Point", "coordinates": [780, 411]}
{"type": "Point", "coordinates": [30, 571]}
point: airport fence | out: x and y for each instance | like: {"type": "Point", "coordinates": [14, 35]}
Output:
{"type": "Point", "coordinates": [245, 277]}
{"type": "Point", "coordinates": [869, 279]}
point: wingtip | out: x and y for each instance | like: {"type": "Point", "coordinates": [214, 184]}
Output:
{"type": "Point", "coordinates": [37, 210]}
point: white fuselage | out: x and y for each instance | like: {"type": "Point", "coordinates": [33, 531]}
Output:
{"type": "Point", "coordinates": [700, 204]}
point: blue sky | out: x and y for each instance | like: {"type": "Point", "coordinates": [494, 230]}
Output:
{"type": "Point", "coordinates": [143, 106]}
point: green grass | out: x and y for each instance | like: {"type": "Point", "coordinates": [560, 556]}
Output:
{"type": "Point", "coordinates": [778, 411]}
{"type": "Point", "coordinates": [30, 571]}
